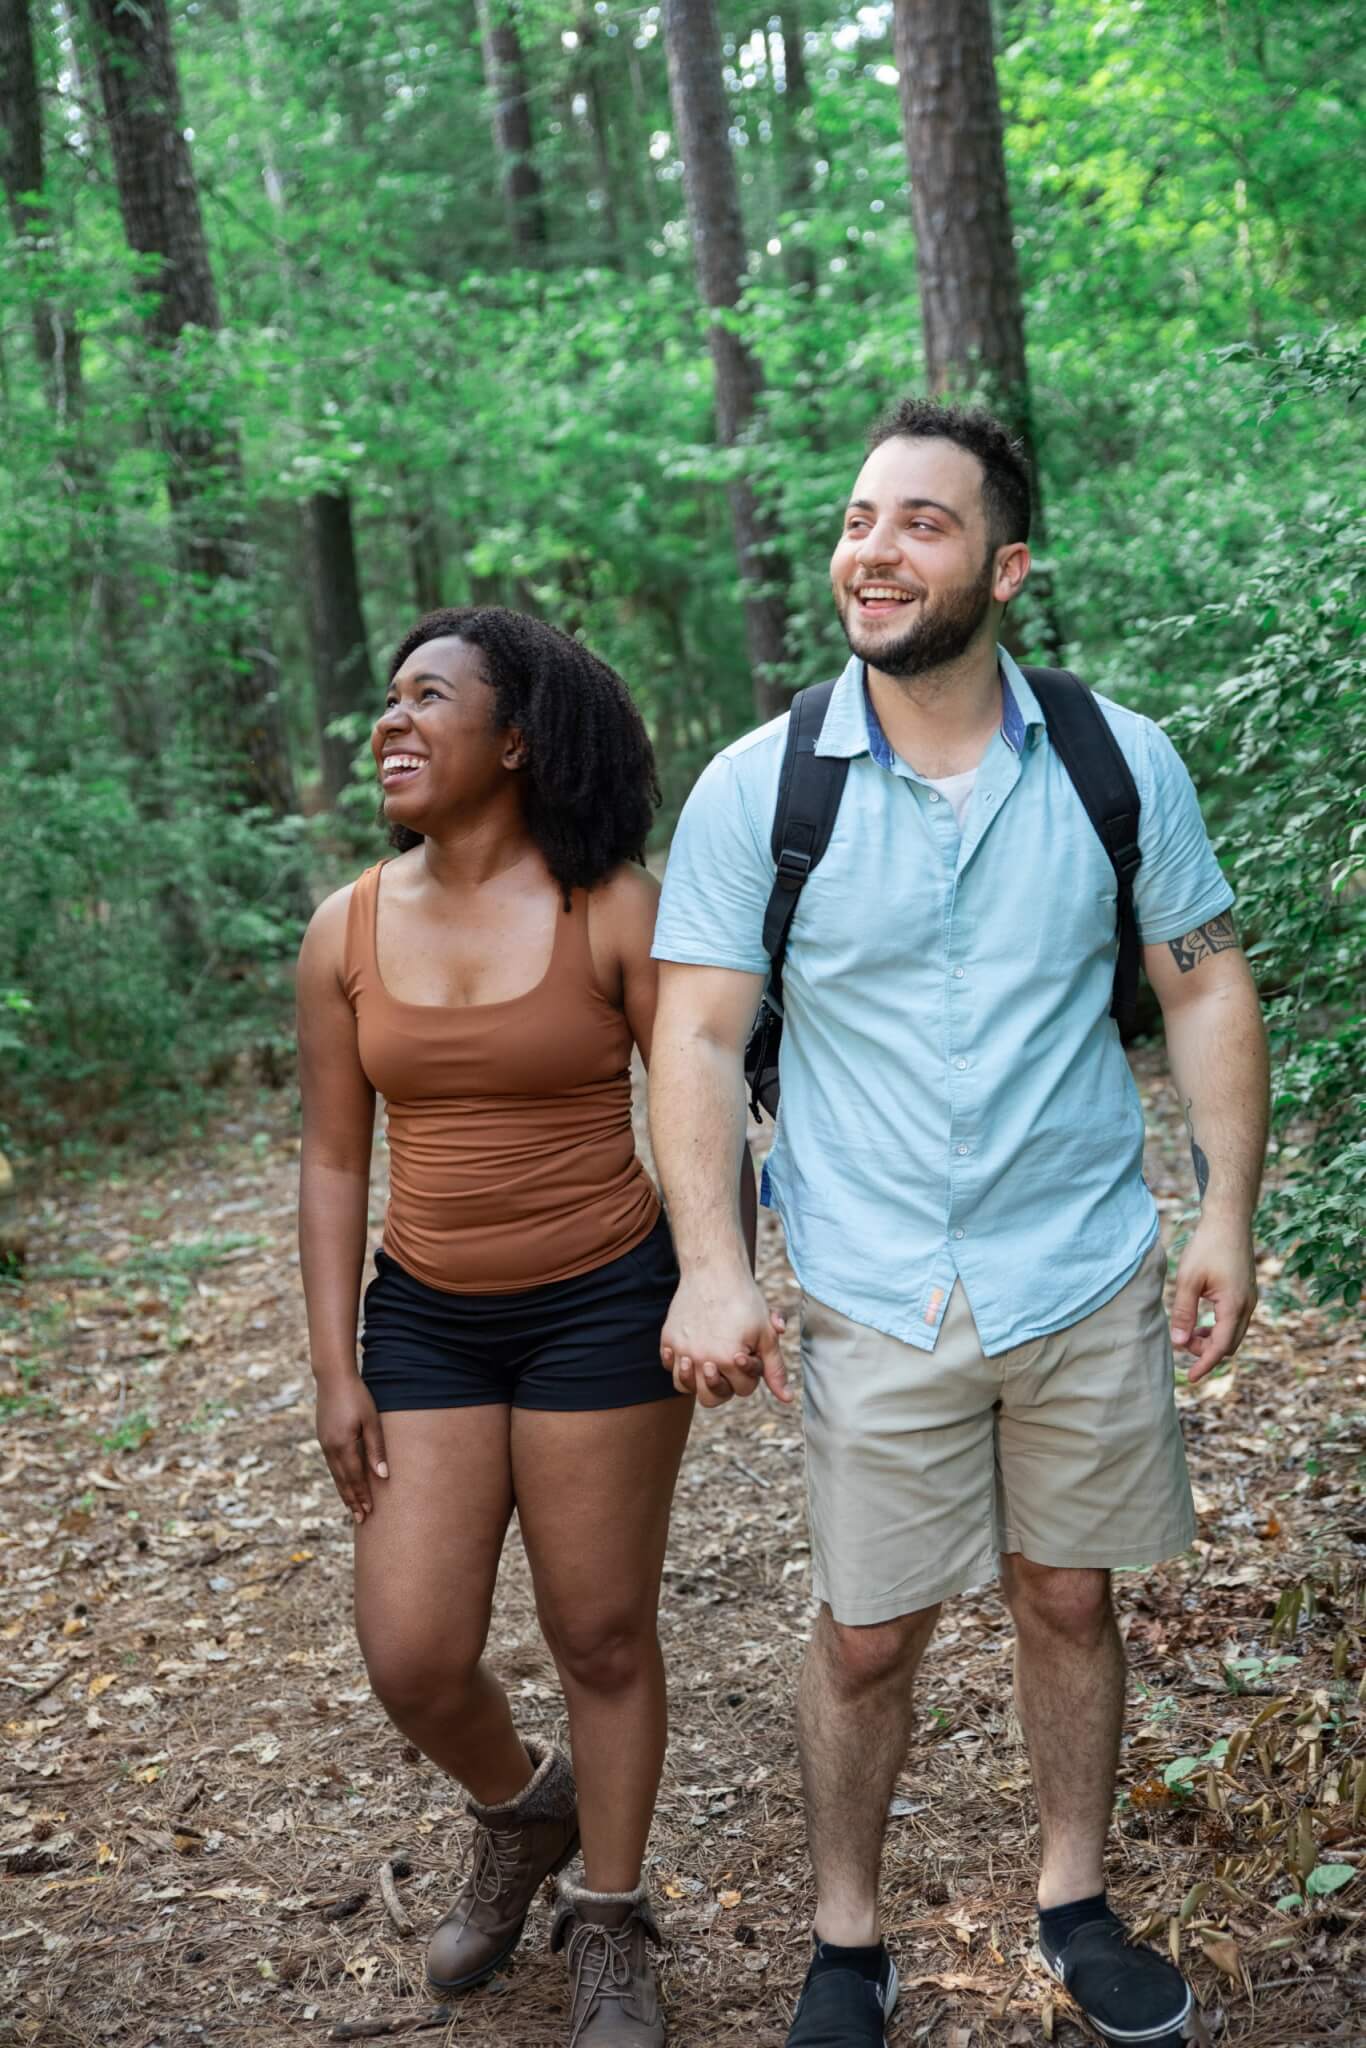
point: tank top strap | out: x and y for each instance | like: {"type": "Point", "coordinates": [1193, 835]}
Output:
{"type": "Point", "coordinates": [359, 965]}
{"type": "Point", "coordinates": [571, 959]}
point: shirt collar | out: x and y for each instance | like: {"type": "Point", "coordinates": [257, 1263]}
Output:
{"type": "Point", "coordinates": [852, 725]}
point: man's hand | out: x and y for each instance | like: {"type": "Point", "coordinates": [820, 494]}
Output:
{"type": "Point", "coordinates": [720, 1340]}
{"type": "Point", "coordinates": [1217, 1266]}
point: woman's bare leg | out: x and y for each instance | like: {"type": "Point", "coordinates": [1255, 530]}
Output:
{"type": "Point", "coordinates": [426, 1562]}
{"type": "Point", "coordinates": [594, 1491]}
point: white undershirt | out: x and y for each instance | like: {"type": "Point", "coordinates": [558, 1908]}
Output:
{"type": "Point", "coordinates": [955, 790]}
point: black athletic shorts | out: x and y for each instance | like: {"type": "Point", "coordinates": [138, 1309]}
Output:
{"type": "Point", "coordinates": [588, 1342]}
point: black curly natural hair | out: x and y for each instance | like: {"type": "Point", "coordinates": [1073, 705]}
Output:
{"type": "Point", "coordinates": [1005, 480]}
{"type": "Point", "coordinates": [590, 786]}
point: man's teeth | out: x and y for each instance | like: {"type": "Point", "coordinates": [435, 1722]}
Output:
{"type": "Point", "coordinates": [881, 592]}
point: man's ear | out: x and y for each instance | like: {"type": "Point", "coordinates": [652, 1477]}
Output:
{"type": "Point", "coordinates": [1012, 567]}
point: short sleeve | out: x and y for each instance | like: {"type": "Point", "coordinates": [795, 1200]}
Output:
{"type": "Point", "coordinates": [717, 882]}
{"type": "Point", "coordinates": [1179, 884]}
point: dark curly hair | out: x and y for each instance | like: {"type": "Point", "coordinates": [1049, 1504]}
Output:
{"type": "Point", "coordinates": [590, 786]}
{"type": "Point", "coordinates": [1005, 483]}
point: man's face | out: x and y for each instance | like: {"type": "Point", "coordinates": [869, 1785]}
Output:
{"type": "Point", "coordinates": [913, 574]}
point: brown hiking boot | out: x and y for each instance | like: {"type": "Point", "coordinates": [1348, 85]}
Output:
{"type": "Point", "coordinates": [613, 1996]}
{"type": "Point", "coordinates": [517, 1846]}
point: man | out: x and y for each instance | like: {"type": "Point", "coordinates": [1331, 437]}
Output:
{"type": "Point", "coordinates": [987, 1371]}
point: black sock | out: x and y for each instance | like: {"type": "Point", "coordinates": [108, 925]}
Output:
{"type": "Point", "coordinates": [1058, 1923]}
{"type": "Point", "coordinates": [866, 1962]}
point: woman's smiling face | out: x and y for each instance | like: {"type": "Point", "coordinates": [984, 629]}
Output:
{"type": "Point", "coordinates": [435, 745]}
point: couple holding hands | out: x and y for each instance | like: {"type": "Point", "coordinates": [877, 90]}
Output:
{"type": "Point", "coordinates": [987, 1368]}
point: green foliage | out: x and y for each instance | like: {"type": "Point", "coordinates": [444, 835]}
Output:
{"type": "Point", "coordinates": [536, 427]}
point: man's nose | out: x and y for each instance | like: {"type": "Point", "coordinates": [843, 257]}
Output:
{"type": "Point", "coordinates": [879, 543]}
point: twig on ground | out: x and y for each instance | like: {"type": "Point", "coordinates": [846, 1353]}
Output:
{"type": "Point", "coordinates": [750, 1474]}
{"type": "Point", "coordinates": [392, 1904]}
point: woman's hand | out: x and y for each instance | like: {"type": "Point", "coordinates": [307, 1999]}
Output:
{"type": "Point", "coordinates": [352, 1438]}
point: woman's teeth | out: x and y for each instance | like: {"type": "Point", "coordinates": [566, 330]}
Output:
{"type": "Point", "coordinates": [395, 765]}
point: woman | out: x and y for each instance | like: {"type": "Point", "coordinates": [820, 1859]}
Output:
{"type": "Point", "coordinates": [489, 983]}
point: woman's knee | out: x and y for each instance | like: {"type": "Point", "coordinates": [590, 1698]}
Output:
{"type": "Point", "coordinates": [414, 1676]}
{"type": "Point", "coordinates": [603, 1653]}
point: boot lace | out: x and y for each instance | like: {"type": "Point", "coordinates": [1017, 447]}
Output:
{"type": "Point", "coordinates": [494, 1857]}
{"type": "Point", "coordinates": [600, 1965]}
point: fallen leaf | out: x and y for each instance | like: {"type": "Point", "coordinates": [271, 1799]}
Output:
{"type": "Point", "coordinates": [101, 1684]}
{"type": "Point", "coordinates": [729, 1899]}
{"type": "Point", "coordinates": [1222, 1951]}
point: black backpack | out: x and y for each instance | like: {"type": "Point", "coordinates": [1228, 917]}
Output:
{"type": "Point", "coordinates": [809, 791]}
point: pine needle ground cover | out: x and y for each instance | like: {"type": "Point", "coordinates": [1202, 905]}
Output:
{"type": "Point", "coordinates": [209, 1833]}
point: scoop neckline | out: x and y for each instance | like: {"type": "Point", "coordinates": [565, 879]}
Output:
{"type": "Point", "coordinates": [456, 1009]}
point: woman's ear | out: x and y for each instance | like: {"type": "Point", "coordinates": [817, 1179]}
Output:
{"type": "Point", "coordinates": [516, 753]}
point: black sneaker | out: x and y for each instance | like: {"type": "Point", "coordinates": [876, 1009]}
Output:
{"type": "Point", "coordinates": [843, 2009]}
{"type": "Point", "coordinates": [1131, 1995]}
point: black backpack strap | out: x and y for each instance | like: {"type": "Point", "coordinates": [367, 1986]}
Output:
{"type": "Point", "coordinates": [810, 786]}
{"type": "Point", "coordinates": [1100, 775]}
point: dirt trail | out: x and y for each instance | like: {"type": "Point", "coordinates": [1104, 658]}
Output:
{"type": "Point", "coordinates": [198, 1791]}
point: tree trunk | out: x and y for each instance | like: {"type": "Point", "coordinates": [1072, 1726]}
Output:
{"type": "Point", "coordinates": [702, 118]}
{"type": "Point", "coordinates": [422, 524]}
{"type": "Point", "coordinates": [972, 314]}
{"type": "Point", "coordinates": [799, 258]}
{"type": "Point", "coordinates": [235, 691]}
{"type": "Point", "coordinates": [343, 680]}
{"type": "Point", "coordinates": [505, 76]}
{"type": "Point", "coordinates": [590, 81]}
{"type": "Point", "coordinates": [56, 337]}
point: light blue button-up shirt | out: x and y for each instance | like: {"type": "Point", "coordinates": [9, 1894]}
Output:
{"type": "Point", "coordinates": [955, 1100]}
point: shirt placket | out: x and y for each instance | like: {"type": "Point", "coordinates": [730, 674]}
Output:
{"type": "Point", "coordinates": [938, 813]}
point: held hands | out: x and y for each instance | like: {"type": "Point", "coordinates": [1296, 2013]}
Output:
{"type": "Point", "coordinates": [352, 1439]}
{"type": "Point", "coordinates": [1217, 1266]}
{"type": "Point", "coordinates": [720, 1340]}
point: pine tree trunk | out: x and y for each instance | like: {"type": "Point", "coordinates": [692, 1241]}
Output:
{"type": "Point", "coordinates": [235, 693]}
{"type": "Point", "coordinates": [971, 310]}
{"type": "Point", "coordinates": [56, 337]}
{"type": "Point", "coordinates": [505, 76]}
{"type": "Point", "coordinates": [343, 680]}
{"type": "Point", "coordinates": [702, 118]}
{"type": "Point", "coordinates": [799, 258]}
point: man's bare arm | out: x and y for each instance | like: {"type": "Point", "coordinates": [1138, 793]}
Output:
{"type": "Point", "coordinates": [1216, 1045]}
{"type": "Point", "coordinates": [718, 1323]}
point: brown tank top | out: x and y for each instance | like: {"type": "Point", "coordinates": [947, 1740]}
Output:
{"type": "Point", "coordinates": [512, 1161]}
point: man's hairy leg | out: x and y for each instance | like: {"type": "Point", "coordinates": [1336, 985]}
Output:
{"type": "Point", "coordinates": [854, 1716]}
{"type": "Point", "coordinates": [1069, 1690]}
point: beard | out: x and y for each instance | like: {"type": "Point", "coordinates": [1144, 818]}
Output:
{"type": "Point", "coordinates": [940, 633]}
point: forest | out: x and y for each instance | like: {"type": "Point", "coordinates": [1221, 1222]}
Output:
{"type": "Point", "coordinates": [314, 317]}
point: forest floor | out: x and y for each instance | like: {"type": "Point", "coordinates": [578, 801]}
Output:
{"type": "Point", "coordinates": [199, 1792]}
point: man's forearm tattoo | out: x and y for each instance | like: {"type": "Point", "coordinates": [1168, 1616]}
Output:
{"type": "Point", "coordinates": [1199, 1159]}
{"type": "Point", "coordinates": [1218, 936]}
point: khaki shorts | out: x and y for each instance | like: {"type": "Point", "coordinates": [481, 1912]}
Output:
{"type": "Point", "coordinates": [924, 1466]}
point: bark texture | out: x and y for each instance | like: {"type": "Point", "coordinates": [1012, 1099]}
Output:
{"type": "Point", "coordinates": [56, 338]}
{"type": "Point", "coordinates": [702, 119]}
{"type": "Point", "coordinates": [343, 680]}
{"type": "Point", "coordinates": [505, 76]}
{"type": "Point", "coordinates": [235, 693]}
{"type": "Point", "coordinates": [970, 303]}
{"type": "Point", "coordinates": [799, 259]}
{"type": "Point", "coordinates": [971, 310]}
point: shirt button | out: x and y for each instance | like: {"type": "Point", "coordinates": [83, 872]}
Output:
{"type": "Point", "coordinates": [961, 1066]}
{"type": "Point", "coordinates": [963, 1151]}
{"type": "Point", "coordinates": [958, 974]}
{"type": "Point", "coordinates": [960, 1233]}
{"type": "Point", "coordinates": [934, 796]}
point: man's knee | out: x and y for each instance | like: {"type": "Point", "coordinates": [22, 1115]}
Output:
{"type": "Point", "coordinates": [860, 1657]}
{"type": "Point", "coordinates": [1055, 1599]}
